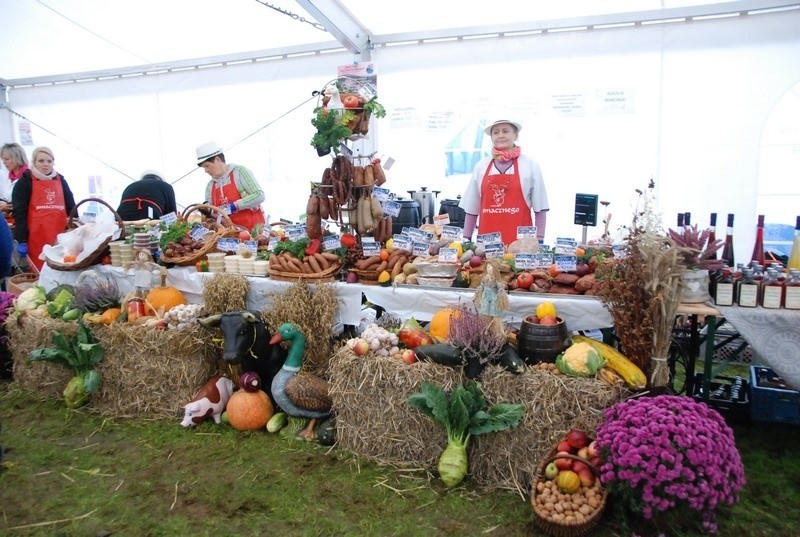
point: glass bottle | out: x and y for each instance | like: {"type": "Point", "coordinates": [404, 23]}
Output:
{"type": "Point", "coordinates": [724, 289]}
{"type": "Point", "coordinates": [712, 237]}
{"type": "Point", "coordinates": [758, 247]}
{"type": "Point", "coordinates": [680, 222]}
{"type": "Point", "coordinates": [687, 220]}
{"type": "Point", "coordinates": [748, 290]}
{"type": "Point", "coordinates": [794, 256]}
{"type": "Point", "coordinates": [791, 300]}
{"type": "Point", "coordinates": [727, 250]}
{"type": "Point", "coordinates": [771, 290]}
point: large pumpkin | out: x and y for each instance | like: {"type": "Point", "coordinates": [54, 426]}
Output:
{"type": "Point", "coordinates": [439, 327]}
{"type": "Point", "coordinates": [164, 296]}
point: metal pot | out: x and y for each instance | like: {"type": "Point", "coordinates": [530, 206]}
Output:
{"type": "Point", "coordinates": [426, 202]}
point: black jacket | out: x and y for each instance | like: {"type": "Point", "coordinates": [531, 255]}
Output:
{"type": "Point", "coordinates": [21, 198]}
{"type": "Point", "coordinates": [144, 195]}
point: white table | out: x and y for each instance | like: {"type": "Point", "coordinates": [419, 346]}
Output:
{"type": "Point", "coordinates": [579, 312]}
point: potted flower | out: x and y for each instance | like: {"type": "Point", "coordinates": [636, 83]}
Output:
{"type": "Point", "coordinates": [670, 459]}
{"type": "Point", "coordinates": [698, 255]}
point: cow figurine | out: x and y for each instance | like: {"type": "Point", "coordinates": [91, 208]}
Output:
{"type": "Point", "coordinates": [210, 401]}
{"type": "Point", "coordinates": [245, 341]}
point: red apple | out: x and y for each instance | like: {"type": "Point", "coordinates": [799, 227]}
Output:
{"type": "Point", "coordinates": [577, 438]}
{"type": "Point", "coordinates": [548, 319]}
{"type": "Point", "coordinates": [475, 261]}
{"type": "Point", "coordinates": [583, 453]}
{"type": "Point", "coordinates": [592, 449]}
{"type": "Point", "coordinates": [597, 462]}
{"type": "Point", "coordinates": [587, 477]}
{"type": "Point", "coordinates": [360, 346]}
{"type": "Point", "coordinates": [551, 471]}
{"type": "Point", "coordinates": [578, 466]}
{"type": "Point", "coordinates": [564, 463]}
{"type": "Point", "coordinates": [244, 235]}
{"type": "Point", "coordinates": [533, 319]}
{"type": "Point", "coordinates": [409, 357]}
{"type": "Point", "coordinates": [564, 446]}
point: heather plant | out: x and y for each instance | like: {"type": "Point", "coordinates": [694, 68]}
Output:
{"type": "Point", "coordinates": [670, 455]}
{"type": "Point", "coordinates": [475, 335]}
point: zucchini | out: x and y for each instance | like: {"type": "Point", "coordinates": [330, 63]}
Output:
{"type": "Point", "coordinates": [440, 353]}
{"type": "Point", "coordinates": [510, 360]}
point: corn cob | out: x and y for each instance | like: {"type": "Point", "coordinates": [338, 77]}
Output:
{"type": "Point", "coordinates": [634, 377]}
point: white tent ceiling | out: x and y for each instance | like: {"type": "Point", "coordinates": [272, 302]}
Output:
{"type": "Point", "coordinates": [53, 37]}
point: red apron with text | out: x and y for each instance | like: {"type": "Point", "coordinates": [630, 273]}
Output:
{"type": "Point", "coordinates": [228, 194]}
{"type": "Point", "coordinates": [503, 206]}
{"type": "Point", "coordinates": [47, 216]}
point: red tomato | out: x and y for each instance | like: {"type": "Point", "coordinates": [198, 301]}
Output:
{"type": "Point", "coordinates": [244, 235]}
{"type": "Point", "coordinates": [348, 240]}
{"type": "Point", "coordinates": [350, 101]}
{"type": "Point", "coordinates": [524, 280]}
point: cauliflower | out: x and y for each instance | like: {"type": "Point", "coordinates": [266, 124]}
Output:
{"type": "Point", "coordinates": [580, 360]}
{"type": "Point", "coordinates": [30, 299]}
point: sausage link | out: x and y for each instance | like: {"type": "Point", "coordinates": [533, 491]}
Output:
{"type": "Point", "coordinates": [323, 263]}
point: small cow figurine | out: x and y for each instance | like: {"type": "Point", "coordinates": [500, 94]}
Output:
{"type": "Point", "coordinates": [210, 401]}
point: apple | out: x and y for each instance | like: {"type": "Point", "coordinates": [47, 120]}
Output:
{"type": "Point", "coordinates": [524, 280]}
{"type": "Point", "coordinates": [587, 477]}
{"type": "Point", "coordinates": [564, 446]}
{"type": "Point", "coordinates": [583, 453]}
{"type": "Point", "coordinates": [597, 462]}
{"type": "Point", "coordinates": [475, 261]}
{"type": "Point", "coordinates": [551, 471]}
{"type": "Point", "coordinates": [563, 463]}
{"type": "Point", "coordinates": [409, 357]}
{"type": "Point", "coordinates": [533, 319]}
{"type": "Point", "coordinates": [244, 235]}
{"type": "Point", "coordinates": [577, 466]}
{"type": "Point", "coordinates": [592, 449]}
{"type": "Point", "coordinates": [577, 438]}
{"type": "Point", "coordinates": [360, 346]}
{"type": "Point", "coordinates": [548, 319]}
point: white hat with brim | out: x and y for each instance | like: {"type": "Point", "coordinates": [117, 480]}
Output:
{"type": "Point", "coordinates": [152, 172]}
{"type": "Point", "coordinates": [208, 150]}
{"type": "Point", "coordinates": [488, 130]}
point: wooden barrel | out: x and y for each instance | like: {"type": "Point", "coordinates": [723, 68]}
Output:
{"type": "Point", "coordinates": [541, 342]}
{"type": "Point", "coordinates": [409, 216]}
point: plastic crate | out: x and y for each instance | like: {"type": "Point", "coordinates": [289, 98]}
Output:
{"type": "Point", "coordinates": [729, 352]}
{"type": "Point", "coordinates": [720, 397]}
{"type": "Point", "coordinates": [772, 400]}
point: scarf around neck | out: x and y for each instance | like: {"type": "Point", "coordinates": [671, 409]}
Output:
{"type": "Point", "coordinates": [503, 155]}
{"type": "Point", "coordinates": [39, 175]}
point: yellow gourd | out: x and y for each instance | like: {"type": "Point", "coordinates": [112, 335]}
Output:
{"type": "Point", "coordinates": [110, 315]}
{"type": "Point", "coordinates": [439, 327]}
{"type": "Point", "coordinates": [385, 277]}
{"type": "Point", "coordinates": [164, 296]}
{"type": "Point", "coordinates": [616, 361]}
{"type": "Point", "coordinates": [546, 309]}
{"type": "Point", "coordinates": [459, 248]}
{"type": "Point", "coordinates": [568, 482]}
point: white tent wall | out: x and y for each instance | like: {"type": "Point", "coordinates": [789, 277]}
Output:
{"type": "Point", "coordinates": [699, 99]}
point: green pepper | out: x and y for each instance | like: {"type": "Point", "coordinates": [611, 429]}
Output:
{"type": "Point", "coordinates": [201, 266]}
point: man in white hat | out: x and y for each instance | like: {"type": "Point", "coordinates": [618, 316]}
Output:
{"type": "Point", "coordinates": [150, 197]}
{"type": "Point", "coordinates": [505, 188]}
{"type": "Point", "coordinates": [233, 188]}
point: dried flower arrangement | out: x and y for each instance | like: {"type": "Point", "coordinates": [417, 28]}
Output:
{"type": "Point", "coordinates": [641, 290]}
{"type": "Point", "coordinates": [696, 251]}
{"type": "Point", "coordinates": [670, 455]}
{"type": "Point", "coordinates": [475, 335]}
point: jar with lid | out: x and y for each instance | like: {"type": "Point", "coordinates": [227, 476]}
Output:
{"type": "Point", "coordinates": [792, 290]}
{"type": "Point", "coordinates": [771, 290]}
{"type": "Point", "coordinates": [748, 290]}
{"type": "Point", "coordinates": [723, 289]}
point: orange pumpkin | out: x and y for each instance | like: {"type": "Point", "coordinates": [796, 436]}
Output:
{"type": "Point", "coordinates": [439, 327]}
{"type": "Point", "coordinates": [249, 411]}
{"type": "Point", "coordinates": [164, 296]}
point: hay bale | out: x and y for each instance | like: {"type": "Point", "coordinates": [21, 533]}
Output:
{"type": "Point", "coordinates": [28, 333]}
{"type": "Point", "coordinates": [373, 420]}
{"type": "Point", "coordinates": [151, 373]}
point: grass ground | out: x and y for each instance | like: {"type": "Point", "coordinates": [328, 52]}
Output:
{"type": "Point", "coordinates": [75, 473]}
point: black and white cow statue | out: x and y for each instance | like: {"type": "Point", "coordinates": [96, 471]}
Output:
{"type": "Point", "coordinates": [245, 341]}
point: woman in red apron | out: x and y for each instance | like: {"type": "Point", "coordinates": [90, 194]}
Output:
{"type": "Point", "coordinates": [504, 188]}
{"type": "Point", "coordinates": [42, 201]}
{"type": "Point", "coordinates": [233, 188]}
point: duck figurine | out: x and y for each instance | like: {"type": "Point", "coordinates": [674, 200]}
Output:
{"type": "Point", "coordinates": [299, 394]}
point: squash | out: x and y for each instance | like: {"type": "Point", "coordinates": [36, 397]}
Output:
{"type": "Point", "coordinates": [110, 315]}
{"type": "Point", "coordinates": [439, 327]}
{"type": "Point", "coordinates": [440, 353]}
{"type": "Point", "coordinates": [616, 361]}
{"type": "Point", "coordinates": [568, 482]}
{"type": "Point", "coordinates": [384, 278]}
{"type": "Point", "coordinates": [164, 296]}
{"type": "Point", "coordinates": [249, 408]}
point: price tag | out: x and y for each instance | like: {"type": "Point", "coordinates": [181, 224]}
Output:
{"type": "Point", "coordinates": [273, 242]}
{"type": "Point", "coordinates": [565, 245]}
{"type": "Point", "coordinates": [543, 260]}
{"type": "Point", "coordinates": [252, 246]}
{"type": "Point", "coordinates": [526, 232]}
{"type": "Point", "coordinates": [169, 218]}
{"type": "Point", "coordinates": [448, 255]}
{"type": "Point", "coordinates": [452, 233]}
{"type": "Point", "coordinates": [525, 261]}
{"type": "Point", "coordinates": [331, 242]}
{"type": "Point", "coordinates": [295, 232]}
{"type": "Point", "coordinates": [419, 235]}
{"type": "Point", "coordinates": [441, 219]}
{"type": "Point", "coordinates": [486, 238]}
{"type": "Point", "coordinates": [494, 249]}
{"type": "Point", "coordinates": [401, 242]}
{"type": "Point", "coordinates": [419, 249]}
{"type": "Point", "coordinates": [391, 208]}
{"type": "Point", "coordinates": [566, 263]}
{"type": "Point", "coordinates": [381, 193]}
{"type": "Point", "coordinates": [370, 248]}
{"type": "Point", "coordinates": [228, 245]}
{"type": "Point", "coordinates": [199, 232]}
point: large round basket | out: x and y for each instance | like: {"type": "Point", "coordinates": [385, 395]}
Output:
{"type": "Point", "coordinates": [101, 251]}
{"type": "Point", "coordinates": [558, 528]}
{"type": "Point", "coordinates": [324, 276]}
{"type": "Point", "coordinates": [226, 229]}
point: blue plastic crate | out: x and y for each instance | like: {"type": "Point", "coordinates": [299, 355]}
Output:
{"type": "Point", "coordinates": [768, 401]}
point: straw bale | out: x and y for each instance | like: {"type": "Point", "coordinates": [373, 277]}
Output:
{"type": "Point", "coordinates": [28, 333]}
{"type": "Point", "coordinates": [151, 373]}
{"type": "Point", "coordinates": [373, 420]}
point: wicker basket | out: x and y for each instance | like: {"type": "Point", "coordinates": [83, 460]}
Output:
{"type": "Point", "coordinates": [210, 245]}
{"type": "Point", "coordinates": [324, 276]}
{"type": "Point", "coordinates": [562, 529]}
{"type": "Point", "coordinates": [101, 251]}
{"type": "Point", "coordinates": [366, 276]}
